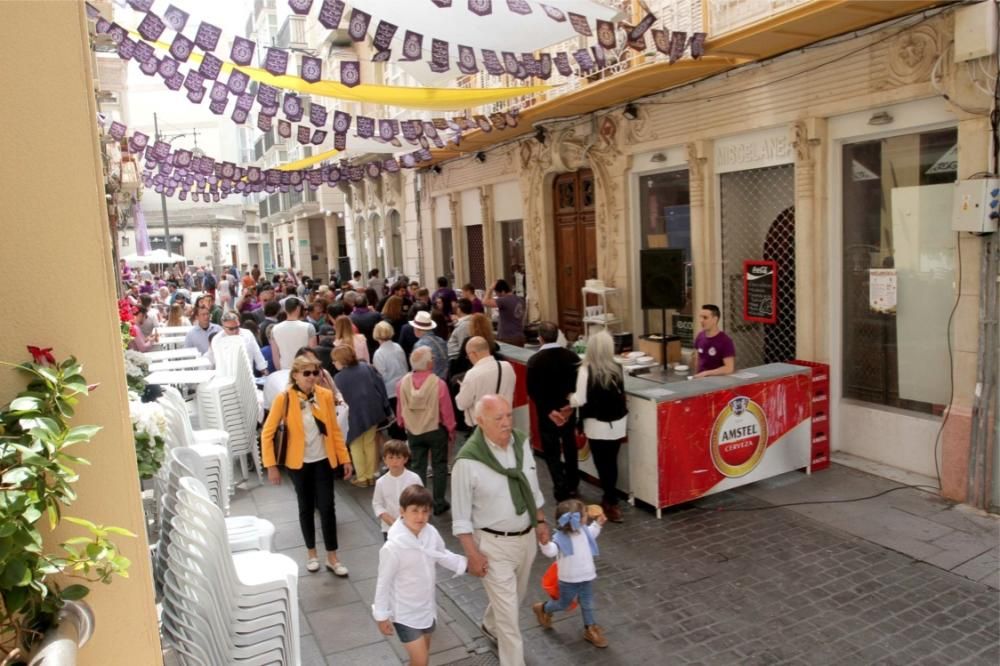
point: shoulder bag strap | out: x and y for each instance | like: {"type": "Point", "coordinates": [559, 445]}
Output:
{"type": "Point", "coordinates": [499, 375]}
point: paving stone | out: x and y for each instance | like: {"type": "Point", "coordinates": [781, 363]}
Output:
{"type": "Point", "coordinates": [343, 628]}
{"type": "Point", "coordinates": [377, 654]}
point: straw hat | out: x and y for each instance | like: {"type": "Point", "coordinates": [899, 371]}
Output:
{"type": "Point", "coordinates": [423, 321]}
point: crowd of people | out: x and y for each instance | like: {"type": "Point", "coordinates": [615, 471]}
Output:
{"type": "Point", "coordinates": [428, 400]}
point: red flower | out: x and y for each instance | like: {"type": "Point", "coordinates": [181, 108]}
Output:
{"type": "Point", "coordinates": [42, 356]}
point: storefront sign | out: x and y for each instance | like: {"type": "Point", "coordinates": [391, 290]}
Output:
{"type": "Point", "coordinates": [683, 327]}
{"type": "Point", "coordinates": [754, 151]}
{"type": "Point", "coordinates": [882, 290]}
{"type": "Point", "coordinates": [760, 291]}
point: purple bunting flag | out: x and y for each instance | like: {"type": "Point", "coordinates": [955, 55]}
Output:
{"type": "Point", "coordinates": [330, 13]}
{"type": "Point", "coordinates": [207, 165]}
{"type": "Point", "coordinates": [481, 7]}
{"type": "Point", "coordinates": [143, 52]}
{"type": "Point", "coordinates": [242, 51]}
{"type": "Point", "coordinates": [315, 177]}
{"type": "Point", "coordinates": [350, 73]}
{"type": "Point", "coordinates": [412, 46]}
{"type": "Point", "coordinates": [333, 175]}
{"type": "Point", "coordinates": [599, 57]}
{"type": "Point", "coordinates": [276, 62]}
{"type": "Point", "coordinates": [117, 131]}
{"type": "Point", "coordinates": [423, 155]}
{"type": "Point", "coordinates": [300, 7]}
{"type": "Point", "coordinates": [390, 165]}
{"type": "Point", "coordinates": [510, 62]}
{"type": "Point", "coordinates": [244, 102]}
{"type": "Point", "coordinates": [439, 55]}
{"type": "Point", "coordinates": [409, 130]}
{"type": "Point", "coordinates": [341, 122]}
{"type": "Point", "coordinates": [240, 116]}
{"type": "Point", "coordinates": [606, 34]}
{"type": "Point", "coordinates": [126, 49]}
{"type": "Point", "coordinates": [357, 28]}
{"type": "Point", "coordinates": [267, 95]}
{"type": "Point", "coordinates": [175, 18]}
{"type": "Point", "coordinates": [253, 174]}
{"type": "Point", "coordinates": [384, 33]}
{"type": "Point", "coordinates": [93, 12]}
{"type": "Point", "coordinates": [317, 114]}
{"type": "Point", "coordinates": [263, 122]}
{"type": "Point", "coordinates": [697, 45]}
{"type": "Point", "coordinates": [553, 13]}
{"type": "Point", "coordinates": [151, 27]}
{"type": "Point", "coordinates": [580, 24]}
{"type": "Point", "coordinates": [678, 40]}
{"type": "Point", "coordinates": [238, 82]}
{"type": "Point", "coordinates": [373, 169]}
{"type": "Point", "coordinates": [181, 48]}
{"type": "Point", "coordinates": [545, 67]}
{"type": "Point", "coordinates": [638, 44]}
{"type": "Point", "coordinates": [218, 107]}
{"type": "Point", "coordinates": [210, 66]}
{"type": "Point", "coordinates": [150, 66]}
{"type": "Point", "coordinates": [519, 7]}
{"type": "Point", "coordinates": [207, 37]}
{"type": "Point", "coordinates": [140, 5]}
{"type": "Point", "coordinates": [160, 150]}
{"type": "Point", "coordinates": [382, 56]}
{"type": "Point", "coordinates": [582, 57]}
{"type": "Point", "coordinates": [661, 40]}
{"type": "Point", "coordinates": [311, 69]}
{"type": "Point", "coordinates": [103, 26]}
{"type": "Point", "coordinates": [429, 130]}
{"type": "Point", "coordinates": [318, 137]}
{"type": "Point", "coordinates": [339, 141]}
{"type": "Point", "coordinates": [292, 107]}
{"type": "Point", "coordinates": [138, 142]}
{"type": "Point", "coordinates": [117, 33]}
{"type": "Point", "coordinates": [176, 81]}
{"type": "Point", "coordinates": [408, 161]}
{"type": "Point", "coordinates": [639, 30]}
{"type": "Point", "coordinates": [442, 3]}
{"type": "Point", "coordinates": [467, 60]}
{"type": "Point", "coordinates": [365, 127]}
{"type": "Point", "coordinates": [388, 129]}
{"type": "Point", "coordinates": [532, 66]}
{"type": "Point", "coordinates": [484, 123]}
{"type": "Point", "coordinates": [303, 134]}
{"type": "Point", "coordinates": [196, 95]}
{"type": "Point", "coordinates": [522, 72]}
{"type": "Point", "coordinates": [270, 110]}
{"type": "Point", "coordinates": [284, 129]}
{"type": "Point", "coordinates": [492, 63]}
{"type": "Point", "coordinates": [194, 81]}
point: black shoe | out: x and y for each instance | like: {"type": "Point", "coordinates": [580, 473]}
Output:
{"type": "Point", "coordinates": [443, 508]}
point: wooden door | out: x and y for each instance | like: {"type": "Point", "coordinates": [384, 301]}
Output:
{"type": "Point", "coordinates": [576, 245]}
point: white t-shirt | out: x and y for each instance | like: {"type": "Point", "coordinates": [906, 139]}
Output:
{"type": "Point", "coordinates": [388, 488]}
{"type": "Point", "coordinates": [290, 336]}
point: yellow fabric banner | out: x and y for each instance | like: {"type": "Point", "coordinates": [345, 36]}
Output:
{"type": "Point", "coordinates": [432, 99]}
{"type": "Point", "coordinates": [307, 161]}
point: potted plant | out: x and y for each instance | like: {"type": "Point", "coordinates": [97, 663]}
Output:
{"type": "Point", "coordinates": [36, 483]}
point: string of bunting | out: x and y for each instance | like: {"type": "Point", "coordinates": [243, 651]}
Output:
{"type": "Point", "coordinates": [181, 173]}
{"type": "Point", "coordinates": [670, 43]}
{"type": "Point", "coordinates": [270, 99]}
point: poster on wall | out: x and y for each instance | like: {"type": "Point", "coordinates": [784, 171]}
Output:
{"type": "Point", "coordinates": [760, 291]}
{"type": "Point", "coordinates": [882, 290]}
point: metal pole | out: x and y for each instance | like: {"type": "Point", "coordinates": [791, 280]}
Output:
{"type": "Point", "coordinates": [163, 197]}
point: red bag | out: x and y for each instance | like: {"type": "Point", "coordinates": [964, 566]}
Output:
{"type": "Point", "coordinates": [550, 583]}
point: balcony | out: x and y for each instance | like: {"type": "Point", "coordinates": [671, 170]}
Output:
{"type": "Point", "coordinates": [292, 33]}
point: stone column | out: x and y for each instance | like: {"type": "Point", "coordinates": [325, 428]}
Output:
{"type": "Point", "coordinates": [811, 254]}
{"type": "Point", "coordinates": [534, 162]}
{"type": "Point", "coordinates": [490, 247]}
{"type": "Point", "coordinates": [332, 244]}
{"type": "Point", "coordinates": [457, 238]}
{"type": "Point", "coordinates": [706, 265]}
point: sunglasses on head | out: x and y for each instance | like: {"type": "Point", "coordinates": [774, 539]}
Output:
{"type": "Point", "coordinates": [310, 373]}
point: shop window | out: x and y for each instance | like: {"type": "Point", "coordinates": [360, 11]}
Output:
{"type": "Point", "coordinates": [512, 247]}
{"type": "Point", "coordinates": [665, 216]}
{"type": "Point", "coordinates": [898, 269]}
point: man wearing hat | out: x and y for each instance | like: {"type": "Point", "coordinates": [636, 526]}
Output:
{"type": "Point", "coordinates": [423, 327]}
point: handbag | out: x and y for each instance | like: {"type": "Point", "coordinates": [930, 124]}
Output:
{"type": "Point", "coordinates": [281, 435]}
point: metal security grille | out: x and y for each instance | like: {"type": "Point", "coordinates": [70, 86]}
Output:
{"type": "Point", "coordinates": [758, 222]}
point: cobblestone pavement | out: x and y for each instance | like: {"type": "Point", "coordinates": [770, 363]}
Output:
{"type": "Point", "coordinates": [707, 584]}
{"type": "Point", "coordinates": [711, 585]}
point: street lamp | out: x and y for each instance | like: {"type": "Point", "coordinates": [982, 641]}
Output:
{"type": "Point", "coordinates": [163, 197]}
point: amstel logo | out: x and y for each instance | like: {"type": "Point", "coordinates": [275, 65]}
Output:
{"type": "Point", "coordinates": [739, 437]}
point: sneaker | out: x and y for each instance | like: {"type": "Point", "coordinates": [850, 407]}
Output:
{"type": "Point", "coordinates": [544, 619]}
{"type": "Point", "coordinates": [595, 635]}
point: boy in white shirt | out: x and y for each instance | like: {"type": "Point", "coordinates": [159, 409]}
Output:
{"type": "Point", "coordinates": [405, 591]}
{"type": "Point", "coordinates": [388, 487]}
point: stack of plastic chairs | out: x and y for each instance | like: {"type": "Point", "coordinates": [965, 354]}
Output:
{"type": "Point", "coordinates": [219, 407]}
{"type": "Point", "coordinates": [231, 360]}
{"type": "Point", "coordinates": [223, 608]}
{"type": "Point", "coordinates": [214, 457]}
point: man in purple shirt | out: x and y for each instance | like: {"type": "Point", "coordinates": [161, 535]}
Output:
{"type": "Point", "coordinates": [715, 353]}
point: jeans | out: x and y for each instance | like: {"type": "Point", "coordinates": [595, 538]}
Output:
{"type": "Point", "coordinates": [314, 491]}
{"type": "Point", "coordinates": [605, 452]}
{"type": "Point", "coordinates": [582, 592]}
{"type": "Point", "coordinates": [435, 445]}
{"type": "Point", "coordinates": [561, 457]}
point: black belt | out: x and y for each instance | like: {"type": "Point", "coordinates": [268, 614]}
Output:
{"type": "Point", "coordinates": [507, 534]}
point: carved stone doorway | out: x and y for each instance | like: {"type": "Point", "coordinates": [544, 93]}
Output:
{"type": "Point", "coordinates": [575, 245]}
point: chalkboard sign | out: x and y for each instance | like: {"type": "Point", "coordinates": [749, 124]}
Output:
{"type": "Point", "coordinates": [760, 291]}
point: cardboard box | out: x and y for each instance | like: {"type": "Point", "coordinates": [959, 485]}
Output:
{"type": "Point", "coordinates": [654, 348]}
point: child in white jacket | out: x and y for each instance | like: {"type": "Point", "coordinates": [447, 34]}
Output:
{"type": "Point", "coordinates": [405, 591]}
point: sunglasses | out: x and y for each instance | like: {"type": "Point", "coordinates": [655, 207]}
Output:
{"type": "Point", "coordinates": [310, 373]}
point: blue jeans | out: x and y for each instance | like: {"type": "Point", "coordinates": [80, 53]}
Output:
{"type": "Point", "coordinates": [582, 592]}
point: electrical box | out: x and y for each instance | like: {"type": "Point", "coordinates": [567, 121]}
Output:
{"type": "Point", "coordinates": [975, 31]}
{"type": "Point", "coordinates": [976, 206]}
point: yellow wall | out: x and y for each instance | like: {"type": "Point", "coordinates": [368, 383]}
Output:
{"type": "Point", "coordinates": [58, 286]}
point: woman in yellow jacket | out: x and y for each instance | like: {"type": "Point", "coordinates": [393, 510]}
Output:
{"type": "Point", "coordinates": [315, 448]}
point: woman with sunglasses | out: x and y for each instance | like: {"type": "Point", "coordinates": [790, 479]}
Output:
{"type": "Point", "coordinates": [315, 447]}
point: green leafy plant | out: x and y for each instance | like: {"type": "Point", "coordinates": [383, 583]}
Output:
{"type": "Point", "coordinates": [36, 481]}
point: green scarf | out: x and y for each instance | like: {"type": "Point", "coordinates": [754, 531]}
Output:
{"type": "Point", "coordinates": [476, 448]}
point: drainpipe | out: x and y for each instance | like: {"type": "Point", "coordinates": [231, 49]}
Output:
{"type": "Point", "coordinates": [418, 183]}
{"type": "Point", "coordinates": [60, 645]}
